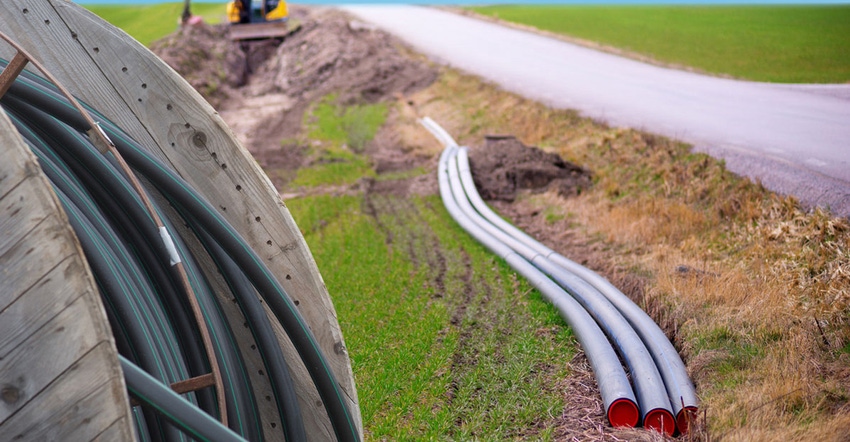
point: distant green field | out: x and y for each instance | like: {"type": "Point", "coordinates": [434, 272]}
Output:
{"type": "Point", "coordinates": [809, 44]}
{"type": "Point", "coordinates": [147, 23]}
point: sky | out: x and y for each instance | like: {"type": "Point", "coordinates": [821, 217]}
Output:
{"type": "Point", "coordinates": [481, 2]}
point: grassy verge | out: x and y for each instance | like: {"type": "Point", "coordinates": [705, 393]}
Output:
{"type": "Point", "coordinates": [800, 43]}
{"type": "Point", "coordinates": [337, 136]}
{"type": "Point", "coordinates": [754, 290]}
{"type": "Point", "coordinates": [445, 342]}
{"type": "Point", "coordinates": [147, 23]}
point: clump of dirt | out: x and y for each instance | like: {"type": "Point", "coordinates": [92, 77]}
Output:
{"type": "Point", "coordinates": [334, 54]}
{"type": "Point", "coordinates": [504, 165]}
{"type": "Point", "coordinates": [328, 53]}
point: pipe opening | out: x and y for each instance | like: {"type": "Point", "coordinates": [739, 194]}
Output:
{"type": "Point", "coordinates": [661, 421]}
{"type": "Point", "coordinates": [685, 417]}
{"type": "Point", "coordinates": [623, 413]}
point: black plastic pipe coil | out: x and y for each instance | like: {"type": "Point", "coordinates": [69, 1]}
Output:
{"type": "Point", "coordinates": [147, 309]}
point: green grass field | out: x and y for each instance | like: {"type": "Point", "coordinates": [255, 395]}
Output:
{"type": "Point", "coordinates": [446, 342]}
{"type": "Point", "coordinates": [809, 44]}
{"type": "Point", "coordinates": [147, 23]}
{"type": "Point", "coordinates": [805, 44]}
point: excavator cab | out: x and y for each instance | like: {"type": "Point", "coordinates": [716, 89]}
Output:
{"type": "Point", "coordinates": [258, 19]}
{"type": "Point", "coordinates": [256, 11]}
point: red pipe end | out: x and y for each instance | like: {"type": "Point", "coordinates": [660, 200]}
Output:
{"type": "Point", "coordinates": [623, 413]}
{"type": "Point", "coordinates": [685, 417]}
{"type": "Point", "coordinates": [661, 421]}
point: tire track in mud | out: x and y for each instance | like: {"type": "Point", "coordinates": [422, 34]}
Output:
{"type": "Point", "coordinates": [402, 221]}
{"type": "Point", "coordinates": [405, 228]}
{"type": "Point", "coordinates": [460, 357]}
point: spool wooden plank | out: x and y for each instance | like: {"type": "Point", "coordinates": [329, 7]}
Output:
{"type": "Point", "coordinates": [45, 355]}
{"type": "Point", "coordinates": [87, 420]}
{"type": "Point", "coordinates": [19, 271]}
{"type": "Point", "coordinates": [51, 319]}
{"type": "Point", "coordinates": [18, 210]}
{"type": "Point", "coordinates": [30, 312]}
{"type": "Point", "coordinates": [131, 86]}
{"type": "Point", "coordinates": [14, 169]}
{"type": "Point", "coordinates": [115, 432]}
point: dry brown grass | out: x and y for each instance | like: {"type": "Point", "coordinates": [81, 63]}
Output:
{"type": "Point", "coordinates": [757, 287]}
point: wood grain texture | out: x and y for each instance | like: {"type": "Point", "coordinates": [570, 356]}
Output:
{"type": "Point", "coordinates": [84, 384]}
{"type": "Point", "coordinates": [59, 373]}
{"type": "Point", "coordinates": [46, 354]}
{"type": "Point", "coordinates": [117, 431]}
{"type": "Point", "coordinates": [132, 87]}
{"type": "Point", "coordinates": [30, 311]}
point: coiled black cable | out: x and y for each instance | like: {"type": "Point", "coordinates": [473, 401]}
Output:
{"type": "Point", "coordinates": [145, 329]}
{"type": "Point", "coordinates": [145, 319]}
{"type": "Point", "coordinates": [279, 375]}
{"type": "Point", "coordinates": [121, 309]}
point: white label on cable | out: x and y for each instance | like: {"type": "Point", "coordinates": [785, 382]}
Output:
{"type": "Point", "coordinates": [169, 245]}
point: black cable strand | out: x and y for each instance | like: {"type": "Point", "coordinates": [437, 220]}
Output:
{"type": "Point", "coordinates": [241, 403]}
{"type": "Point", "coordinates": [185, 199]}
{"type": "Point", "coordinates": [125, 211]}
{"type": "Point", "coordinates": [270, 351]}
{"type": "Point", "coordinates": [57, 140]}
{"type": "Point", "coordinates": [117, 275]}
{"type": "Point", "coordinates": [96, 255]}
{"type": "Point", "coordinates": [35, 91]}
{"type": "Point", "coordinates": [96, 170]}
{"type": "Point", "coordinates": [63, 184]}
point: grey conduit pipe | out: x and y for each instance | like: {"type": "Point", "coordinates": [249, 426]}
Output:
{"type": "Point", "coordinates": [680, 389]}
{"type": "Point", "coordinates": [648, 386]}
{"type": "Point", "coordinates": [616, 392]}
{"type": "Point", "coordinates": [177, 410]}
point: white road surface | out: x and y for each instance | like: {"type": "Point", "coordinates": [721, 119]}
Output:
{"type": "Point", "coordinates": [794, 138]}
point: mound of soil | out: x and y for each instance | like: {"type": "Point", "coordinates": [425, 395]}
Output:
{"type": "Point", "coordinates": [334, 54]}
{"type": "Point", "coordinates": [204, 55]}
{"type": "Point", "coordinates": [330, 53]}
{"type": "Point", "coordinates": [263, 88]}
{"type": "Point", "coordinates": [504, 165]}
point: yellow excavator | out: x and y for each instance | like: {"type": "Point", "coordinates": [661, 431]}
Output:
{"type": "Point", "coordinates": [251, 19]}
{"type": "Point", "coordinates": [258, 19]}
{"type": "Point", "coordinates": [256, 11]}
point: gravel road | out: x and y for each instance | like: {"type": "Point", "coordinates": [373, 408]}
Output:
{"type": "Point", "coordinates": [794, 138]}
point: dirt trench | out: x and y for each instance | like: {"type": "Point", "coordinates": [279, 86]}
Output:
{"type": "Point", "coordinates": [263, 88]}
